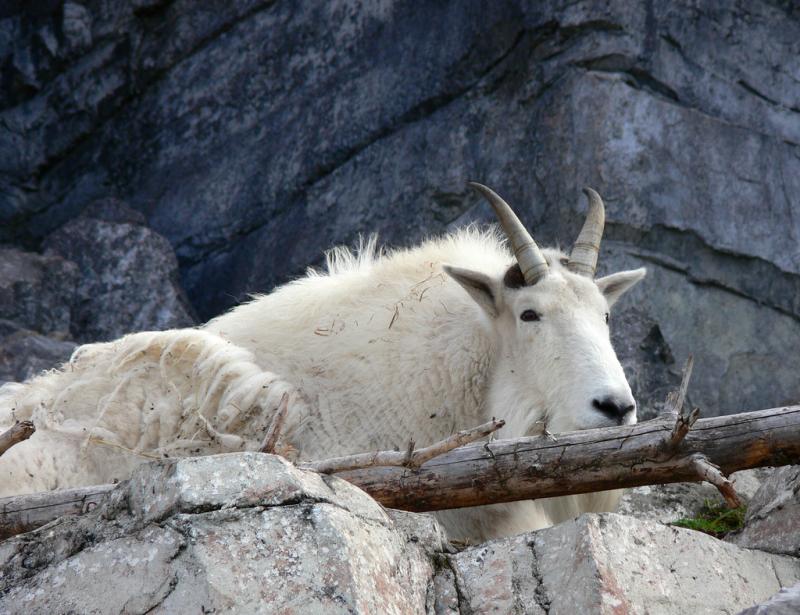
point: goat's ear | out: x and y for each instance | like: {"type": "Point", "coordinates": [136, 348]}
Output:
{"type": "Point", "coordinates": [479, 286]}
{"type": "Point", "coordinates": [617, 284]}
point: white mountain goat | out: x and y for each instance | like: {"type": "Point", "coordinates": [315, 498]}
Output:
{"type": "Point", "coordinates": [381, 349]}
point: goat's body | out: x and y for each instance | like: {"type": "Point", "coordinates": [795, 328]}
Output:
{"type": "Point", "coordinates": [380, 350]}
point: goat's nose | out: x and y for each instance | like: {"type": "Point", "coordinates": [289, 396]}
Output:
{"type": "Point", "coordinates": [614, 408]}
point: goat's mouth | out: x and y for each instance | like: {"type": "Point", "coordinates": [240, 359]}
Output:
{"type": "Point", "coordinates": [592, 418]}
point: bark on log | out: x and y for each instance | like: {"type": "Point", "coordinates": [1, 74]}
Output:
{"type": "Point", "coordinates": [586, 461]}
{"type": "Point", "coordinates": [529, 468]}
{"type": "Point", "coordinates": [23, 513]}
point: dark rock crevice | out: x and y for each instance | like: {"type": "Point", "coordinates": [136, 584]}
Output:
{"type": "Point", "coordinates": [540, 593]}
{"type": "Point", "coordinates": [157, 597]}
{"type": "Point", "coordinates": [634, 75]}
{"type": "Point", "coordinates": [672, 265]}
{"type": "Point", "coordinates": [125, 58]}
{"type": "Point", "coordinates": [765, 98]}
{"type": "Point", "coordinates": [685, 251]}
{"type": "Point", "coordinates": [642, 79]}
{"type": "Point", "coordinates": [421, 111]}
{"type": "Point", "coordinates": [464, 607]}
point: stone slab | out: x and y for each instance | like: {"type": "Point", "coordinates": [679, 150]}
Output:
{"type": "Point", "coordinates": [773, 517]}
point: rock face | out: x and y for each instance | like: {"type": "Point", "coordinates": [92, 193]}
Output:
{"type": "Point", "coordinates": [613, 564]}
{"type": "Point", "coordinates": [36, 292]}
{"type": "Point", "coordinates": [128, 274]}
{"type": "Point", "coordinates": [233, 533]}
{"type": "Point", "coordinates": [256, 136]}
{"type": "Point", "coordinates": [156, 145]}
{"type": "Point", "coordinates": [773, 516]}
{"type": "Point", "coordinates": [248, 532]}
{"type": "Point", "coordinates": [785, 602]}
{"type": "Point", "coordinates": [102, 275]}
{"type": "Point", "coordinates": [24, 353]}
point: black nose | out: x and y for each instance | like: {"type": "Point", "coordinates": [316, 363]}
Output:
{"type": "Point", "coordinates": [614, 408]}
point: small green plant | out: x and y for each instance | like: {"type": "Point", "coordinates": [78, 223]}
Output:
{"type": "Point", "coordinates": [715, 519]}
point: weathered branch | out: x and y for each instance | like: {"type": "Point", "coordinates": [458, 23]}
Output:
{"type": "Point", "coordinates": [23, 513]}
{"type": "Point", "coordinates": [586, 461]}
{"type": "Point", "coordinates": [707, 471]}
{"type": "Point", "coordinates": [704, 469]}
{"type": "Point", "coordinates": [409, 459]}
{"type": "Point", "coordinates": [682, 426]}
{"type": "Point", "coordinates": [19, 432]}
{"type": "Point", "coordinates": [274, 431]}
{"type": "Point", "coordinates": [534, 467]}
{"type": "Point", "coordinates": [675, 400]}
{"type": "Point", "coordinates": [674, 409]}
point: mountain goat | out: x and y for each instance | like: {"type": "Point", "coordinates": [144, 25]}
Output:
{"type": "Point", "coordinates": [380, 349]}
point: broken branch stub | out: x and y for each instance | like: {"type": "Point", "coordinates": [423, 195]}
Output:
{"type": "Point", "coordinates": [675, 399]}
{"type": "Point", "coordinates": [682, 426]}
{"type": "Point", "coordinates": [710, 473]}
{"type": "Point", "coordinates": [19, 432]}
{"type": "Point", "coordinates": [409, 458]}
{"type": "Point", "coordinates": [275, 426]}
{"type": "Point", "coordinates": [704, 469]}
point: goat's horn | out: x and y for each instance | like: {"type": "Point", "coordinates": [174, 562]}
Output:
{"type": "Point", "coordinates": [583, 259]}
{"type": "Point", "coordinates": [530, 258]}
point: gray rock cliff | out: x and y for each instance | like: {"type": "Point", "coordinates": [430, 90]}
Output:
{"type": "Point", "coordinates": [254, 134]}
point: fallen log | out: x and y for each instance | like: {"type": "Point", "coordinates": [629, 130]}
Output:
{"type": "Point", "coordinates": [528, 468]}
{"type": "Point", "coordinates": [675, 447]}
{"type": "Point", "coordinates": [354, 467]}
{"type": "Point", "coordinates": [23, 513]}
{"type": "Point", "coordinates": [591, 460]}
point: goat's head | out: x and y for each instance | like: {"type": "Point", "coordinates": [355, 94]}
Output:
{"type": "Point", "coordinates": [554, 366]}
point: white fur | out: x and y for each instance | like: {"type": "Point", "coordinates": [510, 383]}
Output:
{"type": "Point", "coordinates": [381, 349]}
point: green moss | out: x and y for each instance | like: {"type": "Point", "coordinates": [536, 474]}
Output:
{"type": "Point", "coordinates": [715, 519]}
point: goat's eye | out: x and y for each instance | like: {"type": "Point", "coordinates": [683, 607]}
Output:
{"type": "Point", "coordinates": [606, 317]}
{"type": "Point", "coordinates": [529, 316]}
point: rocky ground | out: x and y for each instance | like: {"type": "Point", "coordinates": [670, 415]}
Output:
{"type": "Point", "coordinates": [249, 533]}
